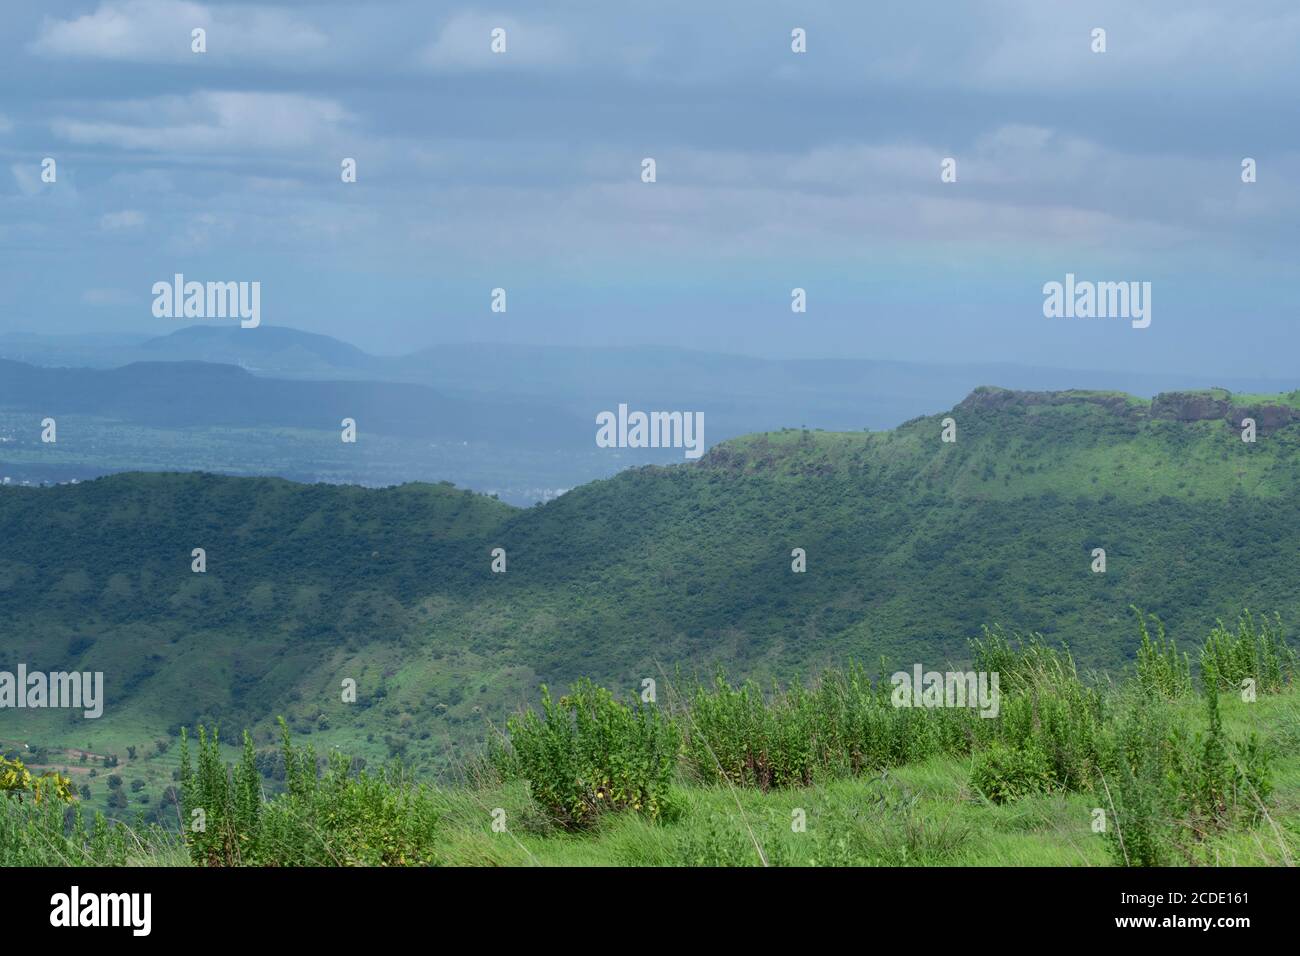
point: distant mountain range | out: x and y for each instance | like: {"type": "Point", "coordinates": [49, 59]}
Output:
{"type": "Point", "coordinates": [868, 393]}
{"type": "Point", "coordinates": [189, 394]}
{"type": "Point", "coordinates": [525, 414]}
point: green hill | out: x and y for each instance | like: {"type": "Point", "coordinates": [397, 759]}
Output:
{"type": "Point", "coordinates": [912, 545]}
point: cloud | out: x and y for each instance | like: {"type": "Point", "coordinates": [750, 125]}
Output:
{"type": "Point", "coordinates": [1162, 43]}
{"type": "Point", "coordinates": [1018, 184]}
{"type": "Point", "coordinates": [28, 178]}
{"type": "Point", "coordinates": [210, 121]}
{"type": "Point", "coordinates": [201, 230]}
{"type": "Point", "coordinates": [6, 126]}
{"type": "Point", "coordinates": [150, 182]}
{"type": "Point", "coordinates": [464, 44]}
{"type": "Point", "coordinates": [160, 30]}
{"type": "Point", "coordinates": [107, 297]}
{"type": "Point", "coordinates": [126, 219]}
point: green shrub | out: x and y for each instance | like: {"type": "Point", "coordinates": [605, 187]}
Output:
{"type": "Point", "coordinates": [220, 804]}
{"type": "Point", "coordinates": [1005, 773]}
{"type": "Point", "coordinates": [1169, 788]}
{"type": "Point", "coordinates": [340, 817]}
{"type": "Point", "coordinates": [842, 726]}
{"type": "Point", "coordinates": [735, 735]}
{"type": "Point", "coordinates": [1257, 650]}
{"type": "Point", "coordinates": [1145, 751]}
{"type": "Point", "coordinates": [1046, 712]}
{"type": "Point", "coordinates": [1159, 668]}
{"type": "Point", "coordinates": [588, 754]}
{"type": "Point", "coordinates": [17, 783]}
{"type": "Point", "coordinates": [51, 833]}
{"type": "Point", "coordinates": [38, 828]}
{"type": "Point", "coordinates": [352, 819]}
{"type": "Point", "coordinates": [1227, 780]}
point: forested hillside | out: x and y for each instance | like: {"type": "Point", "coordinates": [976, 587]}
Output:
{"type": "Point", "coordinates": [912, 545]}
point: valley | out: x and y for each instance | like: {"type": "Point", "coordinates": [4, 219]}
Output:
{"type": "Point", "coordinates": [912, 547]}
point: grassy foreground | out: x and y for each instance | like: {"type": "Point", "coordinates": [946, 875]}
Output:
{"type": "Point", "coordinates": [1157, 769]}
{"type": "Point", "coordinates": [922, 814]}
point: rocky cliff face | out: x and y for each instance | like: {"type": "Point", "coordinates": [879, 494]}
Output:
{"type": "Point", "coordinates": [1191, 406]}
{"type": "Point", "coordinates": [1210, 405]}
{"type": "Point", "coordinates": [996, 399]}
{"type": "Point", "coordinates": [1219, 405]}
{"type": "Point", "coordinates": [1267, 417]}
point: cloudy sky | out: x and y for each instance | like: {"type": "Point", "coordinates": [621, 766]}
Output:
{"type": "Point", "coordinates": [522, 170]}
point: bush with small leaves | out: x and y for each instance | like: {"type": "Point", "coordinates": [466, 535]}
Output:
{"type": "Point", "coordinates": [1004, 773]}
{"type": "Point", "coordinates": [588, 754]}
{"type": "Point", "coordinates": [18, 783]}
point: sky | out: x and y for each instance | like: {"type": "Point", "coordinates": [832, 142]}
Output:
{"type": "Point", "coordinates": [775, 170]}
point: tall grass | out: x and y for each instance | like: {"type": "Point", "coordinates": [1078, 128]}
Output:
{"type": "Point", "coordinates": [1047, 735]}
{"type": "Point", "coordinates": [329, 815]}
{"type": "Point", "coordinates": [1257, 650]}
{"type": "Point", "coordinates": [41, 824]}
{"type": "Point", "coordinates": [1160, 670]}
{"type": "Point", "coordinates": [1150, 751]}
{"type": "Point", "coordinates": [1167, 780]}
{"type": "Point", "coordinates": [842, 725]}
{"type": "Point", "coordinates": [1169, 786]}
{"type": "Point", "coordinates": [38, 835]}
